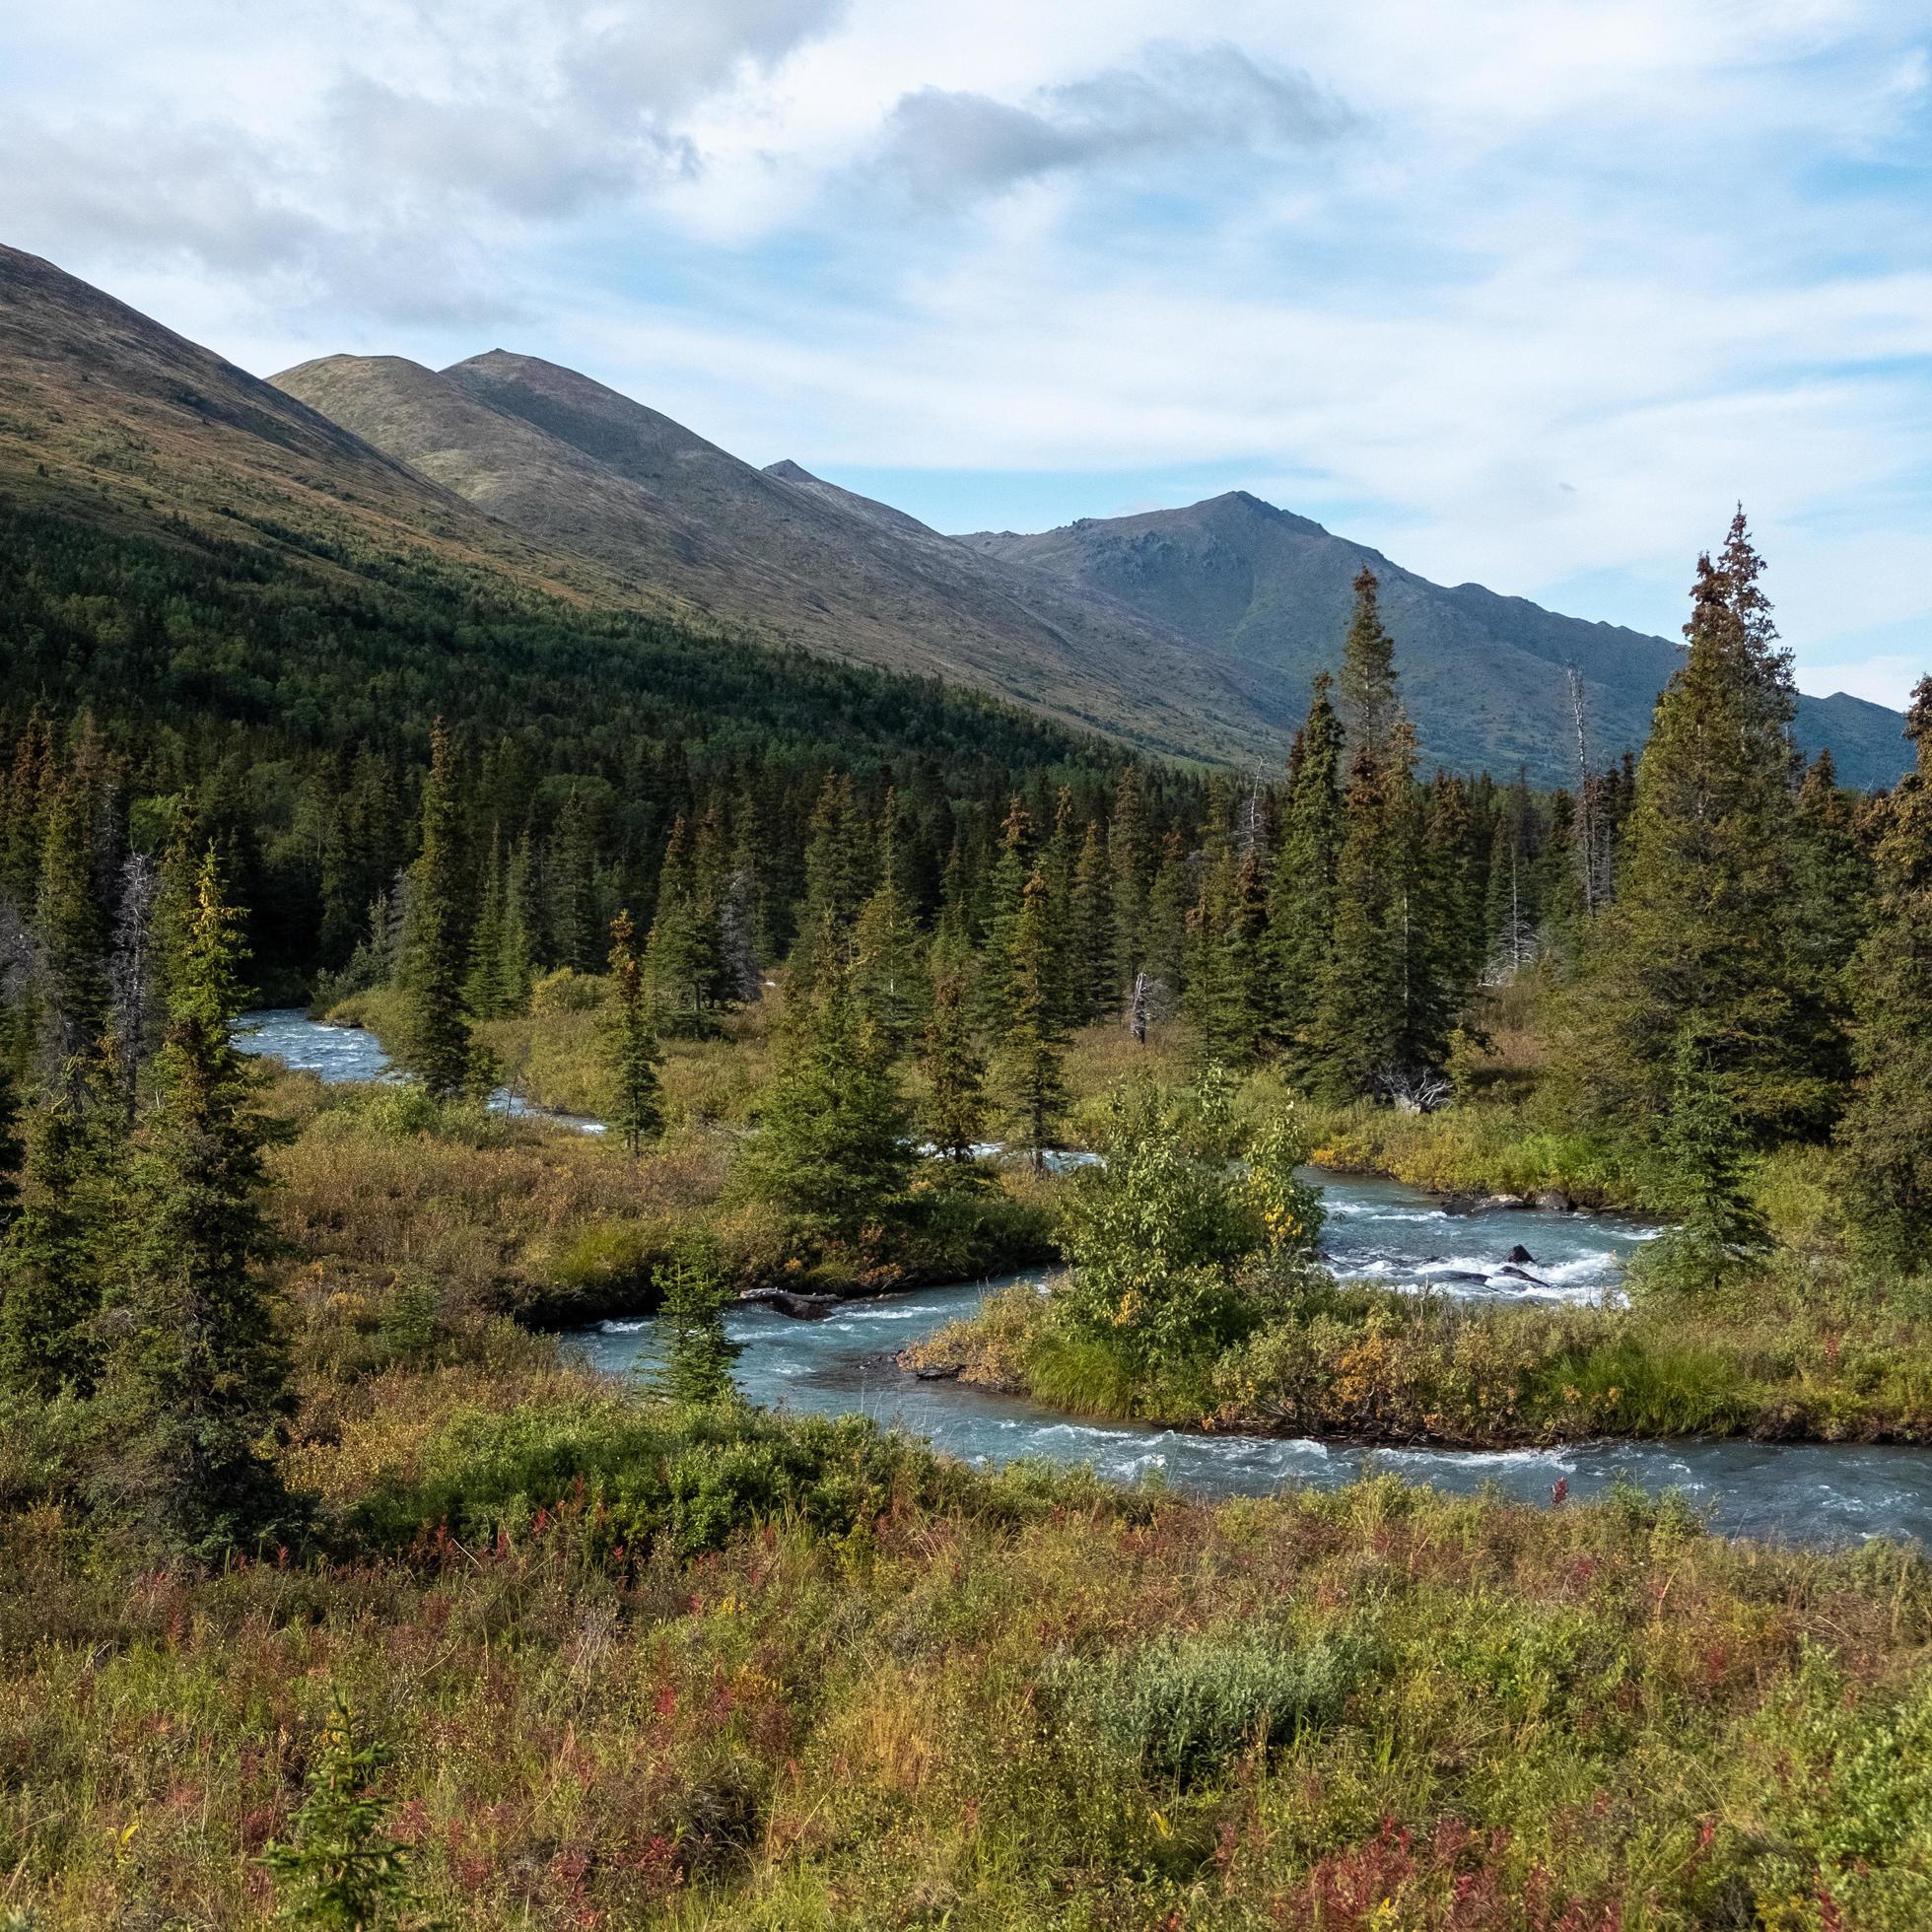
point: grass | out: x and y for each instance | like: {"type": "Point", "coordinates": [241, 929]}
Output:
{"type": "Point", "coordinates": [1792, 1358]}
{"type": "Point", "coordinates": [842, 1683]}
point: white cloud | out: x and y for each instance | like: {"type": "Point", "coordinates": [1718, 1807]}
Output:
{"type": "Point", "coordinates": [952, 147]}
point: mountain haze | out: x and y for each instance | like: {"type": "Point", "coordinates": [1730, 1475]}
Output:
{"type": "Point", "coordinates": [1481, 675]}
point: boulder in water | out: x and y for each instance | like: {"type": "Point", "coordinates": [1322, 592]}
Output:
{"type": "Point", "coordinates": [1482, 1203]}
{"type": "Point", "coordinates": [1519, 1253]}
{"type": "Point", "coordinates": [1555, 1201]}
{"type": "Point", "coordinates": [803, 1307]}
{"type": "Point", "coordinates": [1519, 1274]}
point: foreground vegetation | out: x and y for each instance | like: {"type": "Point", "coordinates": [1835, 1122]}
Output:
{"type": "Point", "coordinates": [640, 1665]}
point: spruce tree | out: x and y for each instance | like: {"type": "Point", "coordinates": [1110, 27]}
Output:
{"type": "Point", "coordinates": [1442, 968]}
{"type": "Point", "coordinates": [1031, 1046]}
{"type": "Point", "coordinates": [637, 1113]}
{"type": "Point", "coordinates": [1226, 980]}
{"type": "Point", "coordinates": [1302, 890]}
{"type": "Point", "coordinates": [1720, 1234]}
{"type": "Point", "coordinates": [52, 1261]}
{"type": "Point", "coordinates": [1005, 896]}
{"type": "Point", "coordinates": [836, 879]}
{"type": "Point", "coordinates": [570, 876]}
{"type": "Point", "coordinates": [833, 1150]}
{"type": "Point", "coordinates": [515, 968]}
{"type": "Point", "coordinates": [71, 925]}
{"type": "Point", "coordinates": [1701, 933]}
{"type": "Point", "coordinates": [684, 954]}
{"type": "Point", "coordinates": [1130, 857]}
{"type": "Point", "coordinates": [956, 1106]}
{"type": "Point", "coordinates": [433, 963]}
{"type": "Point", "coordinates": [1369, 674]}
{"type": "Point", "coordinates": [697, 1354]}
{"type": "Point", "coordinates": [1886, 1135]}
{"type": "Point", "coordinates": [1091, 937]}
{"type": "Point", "coordinates": [1832, 889]}
{"type": "Point", "coordinates": [1164, 935]}
{"type": "Point", "coordinates": [340, 1870]}
{"type": "Point", "coordinates": [1354, 1040]}
{"type": "Point", "coordinates": [485, 997]}
{"type": "Point", "coordinates": [196, 1381]}
{"type": "Point", "coordinates": [888, 974]}
{"type": "Point", "coordinates": [1057, 863]}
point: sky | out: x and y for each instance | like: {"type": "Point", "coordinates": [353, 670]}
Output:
{"type": "Point", "coordinates": [1528, 293]}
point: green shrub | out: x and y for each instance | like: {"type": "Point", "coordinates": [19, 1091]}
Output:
{"type": "Point", "coordinates": [642, 1476]}
{"type": "Point", "coordinates": [567, 990]}
{"type": "Point", "coordinates": [1185, 1706]}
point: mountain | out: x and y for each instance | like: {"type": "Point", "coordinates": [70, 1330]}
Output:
{"type": "Point", "coordinates": [107, 416]}
{"type": "Point", "coordinates": [777, 554]}
{"type": "Point", "coordinates": [1190, 633]}
{"type": "Point", "coordinates": [1269, 593]}
{"type": "Point", "coordinates": [226, 579]}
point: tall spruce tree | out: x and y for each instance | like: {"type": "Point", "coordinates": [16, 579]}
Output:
{"type": "Point", "coordinates": [570, 876]}
{"type": "Point", "coordinates": [1090, 932]}
{"type": "Point", "coordinates": [1130, 859]}
{"type": "Point", "coordinates": [1369, 674]}
{"type": "Point", "coordinates": [197, 1383]}
{"type": "Point", "coordinates": [1031, 1045]}
{"type": "Point", "coordinates": [1701, 933]}
{"type": "Point", "coordinates": [485, 995]}
{"type": "Point", "coordinates": [957, 1107]}
{"type": "Point", "coordinates": [1886, 1135]}
{"type": "Point", "coordinates": [434, 964]}
{"type": "Point", "coordinates": [889, 970]}
{"type": "Point", "coordinates": [637, 1113]}
{"type": "Point", "coordinates": [1354, 1040]}
{"type": "Point", "coordinates": [1005, 896]}
{"type": "Point", "coordinates": [1302, 890]}
{"type": "Point", "coordinates": [684, 956]}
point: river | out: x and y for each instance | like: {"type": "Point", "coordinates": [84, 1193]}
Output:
{"type": "Point", "coordinates": [1814, 1493]}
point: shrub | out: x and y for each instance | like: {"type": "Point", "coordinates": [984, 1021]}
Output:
{"type": "Point", "coordinates": [1185, 1706]}
{"type": "Point", "coordinates": [567, 990]}
{"type": "Point", "coordinates": [640, 1476]}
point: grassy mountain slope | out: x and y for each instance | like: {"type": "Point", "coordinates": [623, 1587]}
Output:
{"type": "Point", "coordinates": [577, 466]}
{"type": "Point", "coordinates": [212, 564]}
{"type": "Point", "coordinates": [1482, 674]}
{"type": "Point", "coordinates": [107, 416]}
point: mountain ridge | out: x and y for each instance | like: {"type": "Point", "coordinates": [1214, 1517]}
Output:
{"type": "Point", "coordinates": [1187, 633]}
{"type": "Point", "coordinates": [571, 462]}
{"type": "Point", "coordinates": [1269, 590]}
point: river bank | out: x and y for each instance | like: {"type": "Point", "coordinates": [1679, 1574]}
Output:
{"type": "Point", "coordinates": [549, 1228]}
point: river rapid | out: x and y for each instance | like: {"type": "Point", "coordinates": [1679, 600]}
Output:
{"type": "Point", "coordinates": [1813, 1494]}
